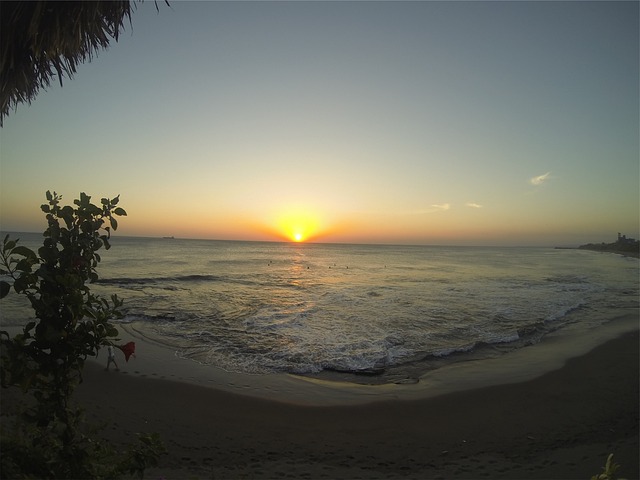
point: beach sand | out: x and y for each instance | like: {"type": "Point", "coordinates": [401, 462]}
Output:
{"type": "Point", "coordinates": [560, 424]}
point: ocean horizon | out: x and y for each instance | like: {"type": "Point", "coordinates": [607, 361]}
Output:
{"type": "Point", "coordinates": [31, 236]}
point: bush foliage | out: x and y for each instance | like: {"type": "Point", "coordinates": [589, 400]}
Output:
{"type": "Point", "coordinates": [609, 471]}
{"type": "Point", "coordinates": [47, 358]}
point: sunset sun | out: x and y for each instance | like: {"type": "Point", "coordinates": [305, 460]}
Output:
{"type": "Point", "coordinates": [297, 224]}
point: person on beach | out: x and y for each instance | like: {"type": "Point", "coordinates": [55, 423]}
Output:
{"type": "Point", "coordinates": [111, 357]}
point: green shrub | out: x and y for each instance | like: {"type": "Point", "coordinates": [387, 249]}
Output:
{"type": "Point", "coordinates": [47, 358]}
{"type": "Point", "coordinates": [608, 471]}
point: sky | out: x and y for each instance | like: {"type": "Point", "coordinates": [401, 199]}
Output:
{"type": "Point", "coordinates": [448, 123]}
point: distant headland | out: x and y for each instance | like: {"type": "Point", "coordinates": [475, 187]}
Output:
{"type": "Point", "coordinates": [623, 246]}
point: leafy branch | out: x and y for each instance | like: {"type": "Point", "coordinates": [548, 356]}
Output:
{"type": "Point", "coordinates": [47, 358]}
{"type": "Point", "coordinates": [608, 471]}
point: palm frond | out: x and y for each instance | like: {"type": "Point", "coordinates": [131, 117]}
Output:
{"type": "Point", "coordinates": [42, 40]}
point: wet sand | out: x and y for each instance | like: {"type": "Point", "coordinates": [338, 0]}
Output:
{"type": "Point", "coordinates": [562, 424]}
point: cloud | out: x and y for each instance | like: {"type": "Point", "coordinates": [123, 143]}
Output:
{"type": "Point", "coordinates": [540, 179]}
{"type": "Point", "coordinates": [442, 206]}
{"type": "Point", "coordinates": [473, 205]}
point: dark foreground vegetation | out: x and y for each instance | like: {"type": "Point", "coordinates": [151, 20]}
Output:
{"type": "Point", "coordinates": [46, 436]}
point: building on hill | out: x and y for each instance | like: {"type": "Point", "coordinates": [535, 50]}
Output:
{"type": "Point", "coordinates": [623, 240]}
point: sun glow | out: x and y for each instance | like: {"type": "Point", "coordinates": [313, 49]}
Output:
{"type": "Point", "coordinates": [298, 231]}
{"type": "Point", "coordinates": [297, 225]}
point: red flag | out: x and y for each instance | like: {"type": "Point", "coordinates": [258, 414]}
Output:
{"type": "Point", "coordinates": [128, 350]}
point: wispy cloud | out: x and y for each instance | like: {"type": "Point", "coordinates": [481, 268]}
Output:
{"type": "Point", "coordinates": [473, 205]}
{"type": "Point", "coordinates": [442, 206]}
{"type": "Point", "coordinates": [540, 179]}
{"type": "Point", "coordinates": [426, 210]}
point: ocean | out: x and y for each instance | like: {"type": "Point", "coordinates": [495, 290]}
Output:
{"type": "Point", "coordinates": [362, 313]}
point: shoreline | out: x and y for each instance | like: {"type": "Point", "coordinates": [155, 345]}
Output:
{"type": "Point", "coordinates": [561, 424]}
{"type": "Point", "coordinates": [531, 414]}
{"type": "Point", "coordinates": [155, 360]}
{"type": "Point", "coordinates": [630, 251]}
